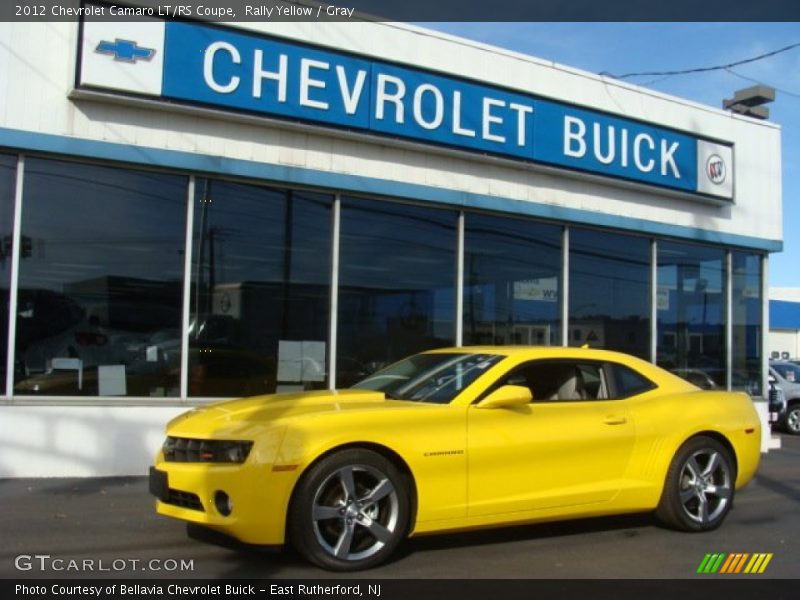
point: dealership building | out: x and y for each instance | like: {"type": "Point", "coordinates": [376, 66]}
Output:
{"type": "Point", "coordinates": [197, 211]}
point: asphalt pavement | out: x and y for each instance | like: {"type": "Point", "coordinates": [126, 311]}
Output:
{"type": "Point", "coordinates": [102, 528]}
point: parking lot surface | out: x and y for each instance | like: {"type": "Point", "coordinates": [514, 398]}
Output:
{"type": "Point", "coordinates": [86, 528]}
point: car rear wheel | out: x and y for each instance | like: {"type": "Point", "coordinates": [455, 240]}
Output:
{"type": "Point", "coordinates": [350, 511]}
{"type": "Point", "coordinates": [793, 419]}
{"type": "Point", "coordinates": [699, 488]}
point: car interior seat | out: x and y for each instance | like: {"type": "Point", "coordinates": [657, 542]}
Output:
{"type": "Point", "coordinates": [569, 383]}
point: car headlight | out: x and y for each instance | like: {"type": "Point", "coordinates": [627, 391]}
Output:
{"type": "Point", "coordinates": [179, 449]}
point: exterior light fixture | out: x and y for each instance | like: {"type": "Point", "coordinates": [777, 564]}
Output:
{"type": "Point", "coordinates": [750, 101]}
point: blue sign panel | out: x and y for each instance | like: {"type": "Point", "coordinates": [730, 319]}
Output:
{"type": "Point", "coordinates": [243, 72]}
{"type": "Point", "coordinates": [240, 71]}
{"type": "Point", "coordinates": [261, 75]}
{"type": "Point", "coordinates": [590, 141]}
{"type": "Point", "coordinates": [444, 110]}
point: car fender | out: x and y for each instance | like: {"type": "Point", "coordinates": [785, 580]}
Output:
{"type": "Point", "coordinates": [432, 453]}
{"type": "Point", "coordinates": [725, 416]}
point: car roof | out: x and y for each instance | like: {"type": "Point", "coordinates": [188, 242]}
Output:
{"type": "Point", "coordinates": [510, 350]}
{"type": "Point", "coordinates": [541, 352]}
{"type": "Point", "coordinates": [657, 374]}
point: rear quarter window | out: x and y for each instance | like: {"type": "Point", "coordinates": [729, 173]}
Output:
{"type": "Point", "coordinates": [628, 382]}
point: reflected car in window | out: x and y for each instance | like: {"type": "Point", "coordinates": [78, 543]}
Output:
{"type": "Point", "coordinates": [697, 377]}
{"type": "Point", "coordinates": [55, 336]}
{"type": "Point", "coordinates": [707, 379]}
{"type": "Point", "coordinates": [454, 439]}
{"type": "Point", "coordinates": [216, 371]}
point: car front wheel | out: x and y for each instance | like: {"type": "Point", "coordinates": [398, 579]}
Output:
{"type": "Point", "coordinates": [699, 487]}
{"type": "Point", "coordinates": [350, 511]}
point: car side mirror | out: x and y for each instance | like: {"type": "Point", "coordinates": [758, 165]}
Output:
{"type": "Point", "coordinates": [507, 396]}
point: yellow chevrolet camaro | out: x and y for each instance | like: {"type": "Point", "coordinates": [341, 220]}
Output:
{"type": "Point", "coordinates": [455, 439]}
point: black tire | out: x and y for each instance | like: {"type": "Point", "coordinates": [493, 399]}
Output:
{"type": "Point", "coordinates": [349, 511]}
{"type": "Point", "coordinates": [792, 420]}
{"type": "Point", "coordinates": [699, 487]}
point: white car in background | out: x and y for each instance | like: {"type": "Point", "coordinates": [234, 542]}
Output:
{"type": "Point", "coordinates": [787, 378]}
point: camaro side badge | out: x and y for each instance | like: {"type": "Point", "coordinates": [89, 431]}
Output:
{"type": "Point", "coordinates": [125, 50]}
{"type": "Point", "coordinates": [443, 453]}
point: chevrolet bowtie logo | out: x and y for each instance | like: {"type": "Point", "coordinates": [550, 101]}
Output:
{"type": "Point", "coordinates": [125, 50]}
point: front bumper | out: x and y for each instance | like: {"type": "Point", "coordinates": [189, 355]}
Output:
{"type": "Point", "coordinates": [259, 497]}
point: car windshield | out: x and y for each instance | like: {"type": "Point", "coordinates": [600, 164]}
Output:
{"type": "Point", "coordinates": [435, 378]}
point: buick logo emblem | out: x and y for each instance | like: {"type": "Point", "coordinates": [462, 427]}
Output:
{"type": "Point", "coordinates": [715, 169]}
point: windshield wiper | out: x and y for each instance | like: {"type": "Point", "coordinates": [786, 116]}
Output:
{"type": "Point", "coordinates": [392, 396]}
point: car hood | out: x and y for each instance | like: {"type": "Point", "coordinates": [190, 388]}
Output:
{"type": "Point", "coordinates": [247, 415]}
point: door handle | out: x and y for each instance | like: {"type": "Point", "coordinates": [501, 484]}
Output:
{"type": "Point", "coordinates": [615, 420]}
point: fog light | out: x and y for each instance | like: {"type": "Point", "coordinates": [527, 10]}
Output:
{"type": "Point", "coordinates": [223, 503]}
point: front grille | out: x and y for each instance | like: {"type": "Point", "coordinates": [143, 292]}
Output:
{"type": "Point", "coordinates": [184, 500]}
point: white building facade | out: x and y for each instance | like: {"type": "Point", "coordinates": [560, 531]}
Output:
{"type": "Point", "coordinates": [195, 211]}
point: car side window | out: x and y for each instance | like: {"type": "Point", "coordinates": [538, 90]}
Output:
{"type": "Point", "coordinates": [574, 380]}
{"type": "Point", "coordinates": [560, 381]}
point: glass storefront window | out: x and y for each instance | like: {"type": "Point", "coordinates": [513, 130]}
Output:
{"type": "Point", "coordinates": [609, 291]}
{"type": "Point", "coordinates": [512, 281]}
{"type": "Point", "coordinates": [747, 326]}
{"type": "Point", "coordinates": [8, 172]}
{"type": "Point", "coordinates": [260, 290]}
{"type": "Point", "coordinates": [397, 268]}
{"type": "Point", "coordinates": [691, 312]}
{"type": "Point", "coordinates": [100, 281]}
{"type": "Point", "coordinates": [100, 300]}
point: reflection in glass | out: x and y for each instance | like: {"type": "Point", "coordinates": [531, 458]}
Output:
{"type": "Point", "coordinates": [260, 290]}
{"type": "Point", "coordinates": [100, 281]}
{"type": "Point", "coordinates": [512, 278]}
{"type": "Point", "coordinates": [747, 326]}
{"type": "Point", "coordinates": [396, 284]}
{"type": "Point", "coordinates": [691, 312]}
{"type": "Point", "coordinates": [609, 291]}
{"type": "Point", "coordinates": [7, 176]}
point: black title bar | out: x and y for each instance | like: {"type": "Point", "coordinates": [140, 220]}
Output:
{"type": "Point", "coordinates": [412, 10]}
{"type": "Point", "coordinates": [364, 588]}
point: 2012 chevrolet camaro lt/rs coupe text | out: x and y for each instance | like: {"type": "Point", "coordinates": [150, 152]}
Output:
{"type": "Point", "coordinates": [454, 439]}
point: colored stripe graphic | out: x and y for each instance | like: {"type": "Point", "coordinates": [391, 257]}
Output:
{"type": "Point", "coordinates": [737, 562]}
{"type": "Point", "coordinates": [758, 563]}
{"type": "Point", "coordinates": [703, 564]}
{"type": "Point", "coordinates": [727, 567]}
{"type": "Point", "coordinates": [711, 563]}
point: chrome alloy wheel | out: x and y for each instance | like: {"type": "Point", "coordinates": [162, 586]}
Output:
{"type": "Point", "coordinates": [355, 512]}
{"type": "Point", "coordinates": [793, 420]}
{"type": "Point", "coordinates": [705, 486]}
